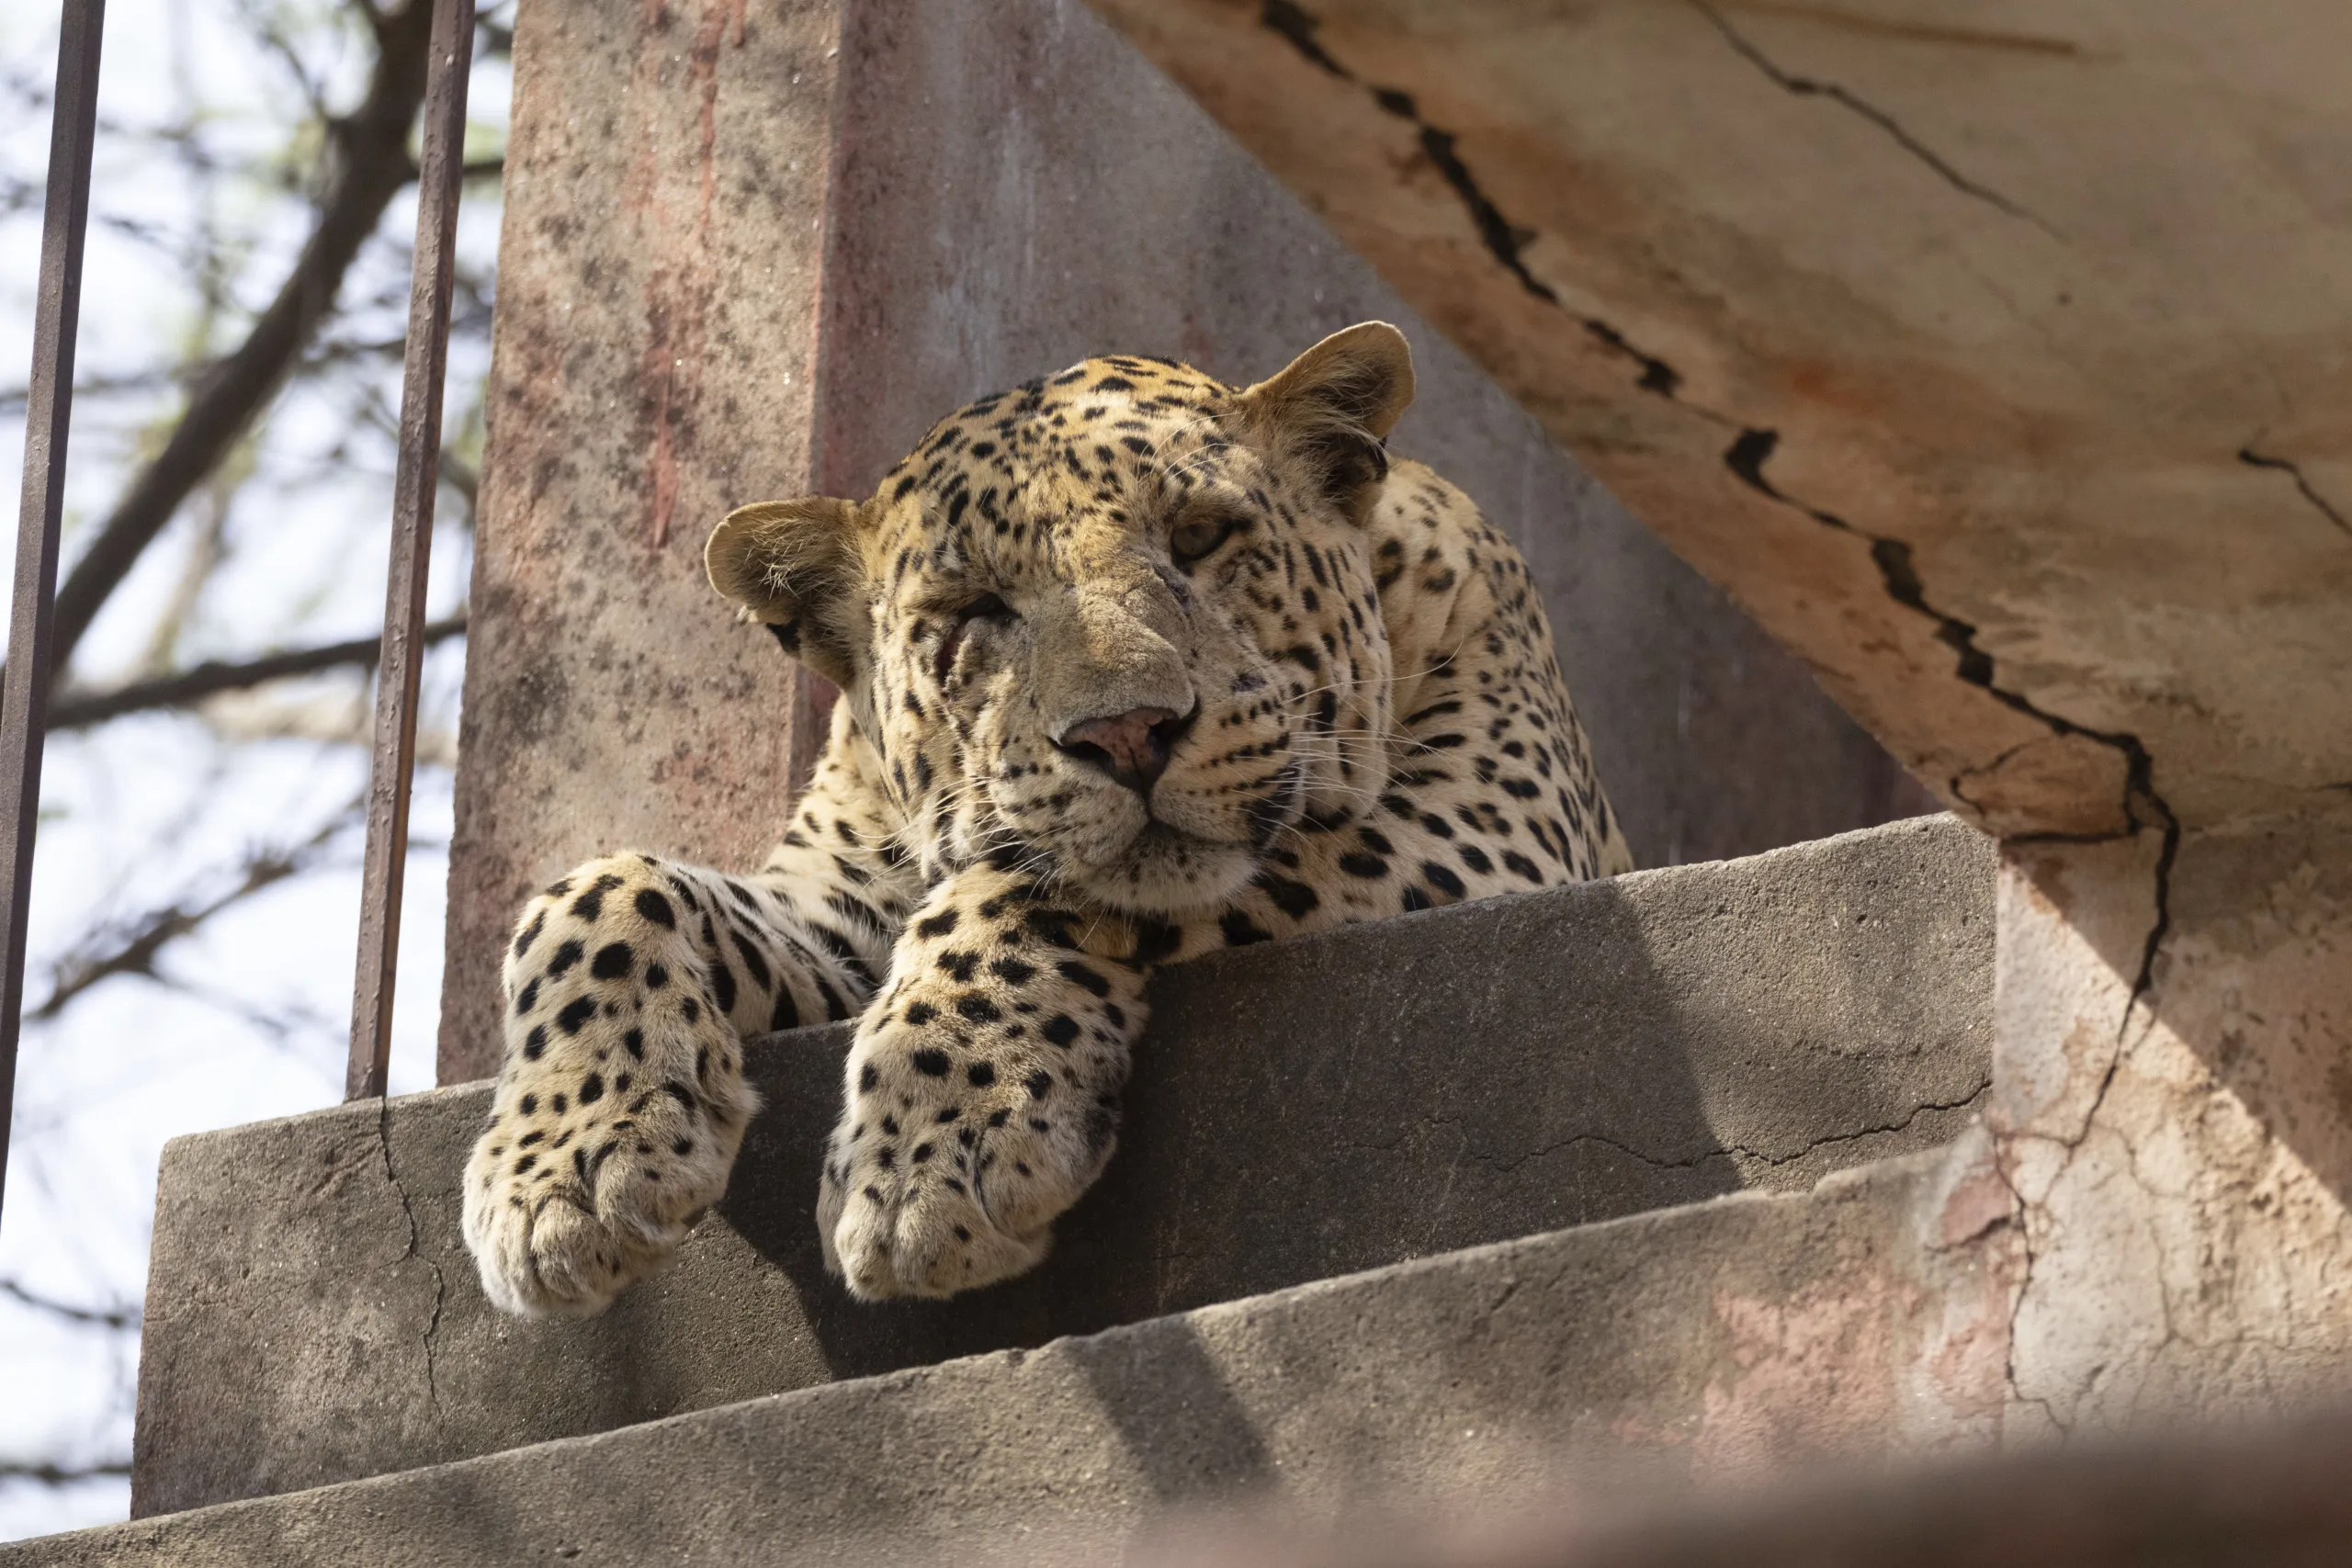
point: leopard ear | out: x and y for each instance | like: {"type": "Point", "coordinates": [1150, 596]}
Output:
{"type": "Point", "coordinates": [794, 565]}
{"type": "Point", "coordinates": [1334, 406]}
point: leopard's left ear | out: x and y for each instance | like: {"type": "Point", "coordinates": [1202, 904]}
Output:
{"type": "Point", "coordinates": [794, 564]}
{"type": "Point", "coordinates": [1334, 406]}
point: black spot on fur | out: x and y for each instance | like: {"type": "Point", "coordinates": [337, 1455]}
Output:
{"type": "Point", "coordinates": [1241, 930]}
{"type": "Point", "coordinates": [1292, 898]}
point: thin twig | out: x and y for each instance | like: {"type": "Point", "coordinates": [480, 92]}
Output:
{"type": "Point", "coordinates": [99, 1317]}
{"type": "Point", "coordinates": [79, 710]}
{"type": "Point", "coordinates": [64, 1476]}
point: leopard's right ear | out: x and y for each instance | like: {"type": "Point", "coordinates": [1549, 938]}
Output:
{"type": "Point", "coordinates": [794, 565]}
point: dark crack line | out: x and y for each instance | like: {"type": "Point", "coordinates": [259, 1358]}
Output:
{"type": "Point", "coordinates": [1728, 1152]}
{"type": "Point", "coordinates": [2142, 806]}
{"type": "Point", "coordinates": [1507, 242]}
{"type": "Point", "coordinates": [416, 1249]}
{"type": "Point", "coordinates": [1807, 87]}
{"type": "Point", "coordinates": [1295, 25]}
{"type": "Point", "coordinates": [2254, 460]}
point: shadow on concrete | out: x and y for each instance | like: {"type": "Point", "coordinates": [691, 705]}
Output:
{"type": "Point", "coordinates": [1336, 1103]}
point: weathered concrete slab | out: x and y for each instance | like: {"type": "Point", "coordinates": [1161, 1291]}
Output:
{"type": "Point", "coordinates": [1733, 1340]}
{"type": "Point", "coordinates": [1299, 1110]}
{"type": "Point", "coordinates": [709, 213]}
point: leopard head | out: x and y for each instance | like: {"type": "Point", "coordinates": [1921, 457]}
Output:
{"type": "Point", "coordinates": [1118, 626]}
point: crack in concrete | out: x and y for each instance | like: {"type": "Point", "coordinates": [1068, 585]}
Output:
{"type": "Point", "coordinates": [1807, 87]}
{"type": "Point", "coordinates": [1507, 242]}
{"type": "Point", "coordinates": [1898, 573]}
{"type": "Point", "coordinates": [416, 1249]}
{"type": "Point", "coordinates": [2254, 460]}
{"type": "Point", "coordinates": [1731, 1152]}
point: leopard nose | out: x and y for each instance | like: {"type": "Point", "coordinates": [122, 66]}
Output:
{"type": "Point", "coordinates": [1131, 747]}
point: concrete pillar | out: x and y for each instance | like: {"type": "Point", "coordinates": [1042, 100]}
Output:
{"type": "Point", "coordinates": [755, 247]}
{"type": "Point", "coordinates": [653, 363]}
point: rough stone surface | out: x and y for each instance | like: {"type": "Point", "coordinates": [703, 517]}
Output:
{"type": "Point", "coordinates": [1300, 1110]}
{"type": "Point", "coordinates": [1732, 1340]}
{"type": "Point", "coordinates": [2175, 1087]}
{"type": "Point", "coordinates": [712, 221]}
{"type": "Point", "coordinates": [1993, 358]}
{"type": "Point", "coordinates": [653, 363]}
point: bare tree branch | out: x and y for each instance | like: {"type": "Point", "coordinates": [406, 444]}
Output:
{"type": "Point", "coordinates": [98, 1318]}
{"type": "Point", "coordinates": [64, 1475]}
{"type": "Point", "coordinates": [372, 165]}
{"type": "Point", "coordinates": [79, 710]}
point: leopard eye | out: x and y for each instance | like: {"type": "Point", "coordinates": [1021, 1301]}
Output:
{"type": "Point", "coordinates": [986, 607]}
{"type": "Point", "coordinates": [1198, 539]}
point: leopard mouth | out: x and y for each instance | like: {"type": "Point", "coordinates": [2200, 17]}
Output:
{"type": "Point", "coordinates": [1279, 807]}
{"type": "Point", "coordinates": [1165, 871]}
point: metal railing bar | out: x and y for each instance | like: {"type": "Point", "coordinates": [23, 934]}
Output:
{"type": "Point", "coordinates": [24, 689]}
{"type": "Point", "coordinates": [442, 170]}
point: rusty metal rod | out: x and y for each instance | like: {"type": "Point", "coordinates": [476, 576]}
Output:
{"type": "Point", "coordinates": [24, 690]}
{"type": "Point", "coordinates": [447, 62]}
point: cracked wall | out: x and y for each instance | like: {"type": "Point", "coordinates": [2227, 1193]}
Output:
{"type": "Point", "coordinates": [2182, 1161]}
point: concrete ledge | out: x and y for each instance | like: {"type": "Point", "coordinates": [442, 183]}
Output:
{"type": "Point", "coordinates": [1735, 1338]}
{"type": "Point", "coordinates": [1302, 1110]}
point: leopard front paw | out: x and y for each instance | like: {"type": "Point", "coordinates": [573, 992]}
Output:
{"type": "Point", "coordinates": [560, 1231]}
{"type": "Point", "coordinates": [946, 1174]}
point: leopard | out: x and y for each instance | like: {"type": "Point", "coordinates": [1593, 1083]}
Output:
{"type": "Point", "coordinates": [1133, 665]}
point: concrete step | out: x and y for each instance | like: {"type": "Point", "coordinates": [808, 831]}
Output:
{"type": "Point", "coordinates": [1299, 1112]}
{"type": "Point", "coordinates": [1749, 1335]}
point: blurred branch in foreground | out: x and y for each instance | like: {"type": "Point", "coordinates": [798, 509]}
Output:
{"type": "Point", "coordinates": [100, 1317]}
{"type": "Point", "coordinates": [78, 710]}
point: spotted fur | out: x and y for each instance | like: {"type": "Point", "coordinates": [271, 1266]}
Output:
{"type": "Point", "coordinates": [1366, 718]}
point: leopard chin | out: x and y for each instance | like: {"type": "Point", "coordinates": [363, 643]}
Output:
{"type": "Point", "coordinates": [1165, 872]}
